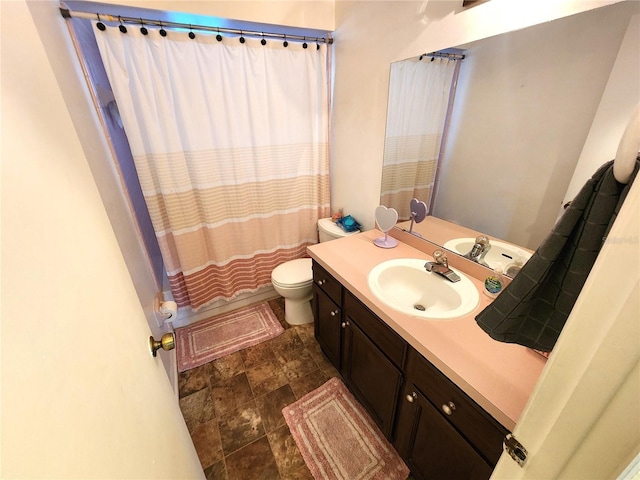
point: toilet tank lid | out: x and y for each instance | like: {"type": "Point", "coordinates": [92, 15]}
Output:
{"type": "Point", "coordinates": [293, 272]}
{"type": "Point", "coordinates": [332, 229]}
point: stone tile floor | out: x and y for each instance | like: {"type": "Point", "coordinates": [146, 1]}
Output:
{"type": "Point", "coordinates": [232, 406]}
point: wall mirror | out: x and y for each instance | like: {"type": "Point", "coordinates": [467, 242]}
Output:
{"type": "Point", "coordinates": [524, 105]}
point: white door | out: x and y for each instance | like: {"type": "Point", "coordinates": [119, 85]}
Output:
{"type": "Point", "coordinates": [82, 397]}
{"type": "Point", "coordinates": [583, 418]}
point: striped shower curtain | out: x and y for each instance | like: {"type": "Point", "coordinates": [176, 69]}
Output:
{"type": "Point", "coordinates": [230, 142]}
{"type": "Point", "coordinates": [416, 113]}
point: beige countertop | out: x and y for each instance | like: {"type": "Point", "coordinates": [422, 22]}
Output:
{"type": "Point", "coordinates": [498, 376]}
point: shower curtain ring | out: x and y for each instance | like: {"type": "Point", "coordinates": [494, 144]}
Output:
{"type": "Point", "coordinates": [122, 28]}
{"type": "Point", "coordinates": [285, 43]}
{"type": "Point", "coordinates": [263, 41]}
{"type": "Point", "coordinates": [241, 37]}
{"type": "Point", "coordinates": [191, 34]}
{"type": "Point", "coordinates": [304, 43]}
{"type": "Point", "coordinates": [143, 29]}
{"type": "Point", "coordinates": [163, 32]}
{"type": "Point", "coordinates": [101, 26]}
{"type": "Point", "coordinates": [218, 36]}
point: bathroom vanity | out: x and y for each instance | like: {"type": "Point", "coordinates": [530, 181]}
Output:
{"type": "Point", "coordinates": [442, 391]}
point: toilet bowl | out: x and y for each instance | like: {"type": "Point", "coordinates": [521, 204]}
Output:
{"type": "Point", "coordinates": [293, 280]}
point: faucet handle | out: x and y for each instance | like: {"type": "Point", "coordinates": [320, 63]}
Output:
{"type": "Point", "coordinates": [482, 240]}
{"type": "Point", "coordinates": [440, 257]}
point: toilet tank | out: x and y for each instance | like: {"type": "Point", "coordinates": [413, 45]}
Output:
{"type": "Point", "coordinates": [327, 230]}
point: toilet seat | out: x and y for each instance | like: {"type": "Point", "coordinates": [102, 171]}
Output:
{"type": "Point", "coordinates": [294, 273]}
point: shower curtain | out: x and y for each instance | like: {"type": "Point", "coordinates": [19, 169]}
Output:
{"type": "Point", "coordinates": [230, 143]}
{"type": "Point", "coordinates": [418, 100]}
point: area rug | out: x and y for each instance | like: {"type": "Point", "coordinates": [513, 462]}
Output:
{"type": "Point", "coordinates": [222, 335]}
{"type": "Point", "coordinates": [338, 439]}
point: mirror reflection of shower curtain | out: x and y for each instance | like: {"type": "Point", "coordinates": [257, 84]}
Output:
{"type": "Point", "coordinates": [419, 92]}
{"type": "Point", "coordinates": [230, 143]}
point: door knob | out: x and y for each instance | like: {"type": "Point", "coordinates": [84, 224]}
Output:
{"type": "Point", "coordinates": [167, 342]}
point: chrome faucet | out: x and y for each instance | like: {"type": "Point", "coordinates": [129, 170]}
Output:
{"type": "Point", "coordinates": [441, 266]}
{"type": "Point", "coordinates": [479, 250]}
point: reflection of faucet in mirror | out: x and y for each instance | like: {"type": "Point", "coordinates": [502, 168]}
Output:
{"type": "Point", "coordinates": [479, 250]}
{"type": "Point", "coordinates": [460, 240]}
{"type": "Point", "coordinates": [418, 211]}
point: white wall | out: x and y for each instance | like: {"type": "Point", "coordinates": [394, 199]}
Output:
{"type": "Point", "coordinates": [371, 35]}
{"type": "Point", "coordinates": [81, 395]}
{"type": "Point", "coordinates": [296, 13]}
{"type": "Point", "coordinates": [621, 96]}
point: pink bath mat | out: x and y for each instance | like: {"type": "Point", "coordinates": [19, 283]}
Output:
{"type": "Point", "coordinates": [338, 439]}
{"type": "Point", "coordinates": [222, 335]}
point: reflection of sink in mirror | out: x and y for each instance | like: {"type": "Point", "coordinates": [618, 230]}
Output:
{"type": "Point", "coordinates": [500, 253]}
{"type": "Point", "coordinates": [405, 285]}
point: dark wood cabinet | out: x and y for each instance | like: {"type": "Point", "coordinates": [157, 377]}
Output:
{"type": "Point", "coordinates": [437, 429]}
{"type": "Point", "coordinates": [328, 331]}
{"type": "Point", "coordinates": [327, 312]}
{"type": "Point", "coordinates": [432, 448]}
{"type": "Point", "coordinates": [441, 432]}
{"type": "Point", "coordinates": [371, 376]}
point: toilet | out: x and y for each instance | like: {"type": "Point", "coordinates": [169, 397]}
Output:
{"type": "Point", "coordinates": [293, 280]}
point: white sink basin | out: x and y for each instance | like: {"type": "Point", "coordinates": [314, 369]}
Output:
{"type": "Point", "coordinates": [499, 253]}
{"type": "Point", "coordinates": [404, 285]}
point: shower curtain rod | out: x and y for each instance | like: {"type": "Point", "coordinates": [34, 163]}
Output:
{"type": "Point", "coordinates": [67, 13]}
{"type": "Point", "coordinates": [450, 56]}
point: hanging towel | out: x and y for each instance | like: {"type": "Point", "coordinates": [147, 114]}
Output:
{"type": "Point", "coordinates": [533, 309]}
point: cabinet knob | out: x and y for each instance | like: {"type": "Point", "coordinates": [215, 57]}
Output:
{"type": "Point", "coordinates": [333, 313]}
{"type": "Point", "coordinates": [344, 324]}
{"type": "Point", "coordinates": [411, 398]}
{"type": "Point", "coordinates": [321, 282]}
{"type": "Point", "coordinates": [448, 408]}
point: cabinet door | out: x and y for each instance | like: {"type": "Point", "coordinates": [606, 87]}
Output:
{"type": "Point", "coordinates": [374, 380]}
{"type": "Point", "coordinates": [432, 448]}
{"type": "Point", "coordinates": [477, 426]}
{"type": "Point", "coordinates": [328, 330]}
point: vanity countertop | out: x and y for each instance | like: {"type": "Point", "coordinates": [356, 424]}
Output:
{"type": "Point", "coordinates": [500, 377]}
